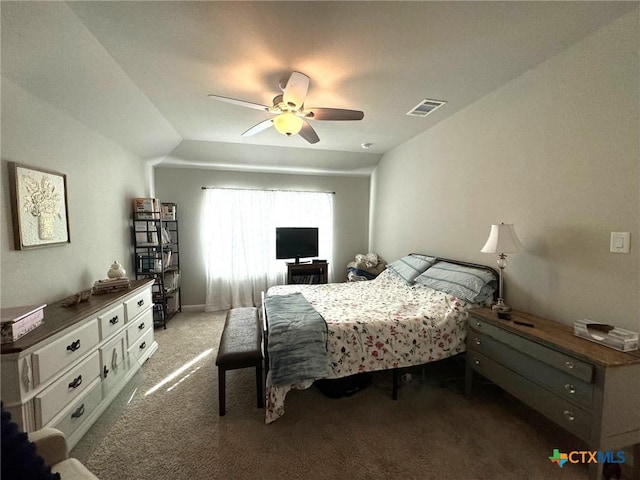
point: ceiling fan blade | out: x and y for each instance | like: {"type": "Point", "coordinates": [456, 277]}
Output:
{"type": "Point", "coordinates": [333, 114]}
{"type": "Point", "coordinates": [258, 128]}
{"type": "Point", "coordinates": [241, 103]}
{"type": "Point", "coordinates": [295, 91]}
{"type": "Point", "coordinates": [308, 133]}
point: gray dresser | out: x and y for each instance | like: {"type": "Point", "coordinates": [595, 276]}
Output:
{"type": "Point", "coordinates": [591, 390]}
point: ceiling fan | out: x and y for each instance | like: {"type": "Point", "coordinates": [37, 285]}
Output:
{"type": "Point", "coordinates": [291, 114]}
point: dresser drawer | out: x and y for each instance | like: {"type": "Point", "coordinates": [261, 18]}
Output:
{"type": "Point", "coordinates": [562, 412]}
{"type": "Point", "coordinates": [55, 397]}
{"type": "Point", "coordinates": [53, 358]}
{"type": "Point", "coordinates": [80, 410]}
{"type": "Point", "coordinates": [138, 351]}
{"type": "Point", "coordinates": [557, 381]}
{"type": "Point", "coordinates": [137, 328]}
{"type": "Point", "coordinates": [112, 321]}
{"type": "Point", "coordinates": [557, 360]}
{"type": "Point", "coordinates": [138, 304]}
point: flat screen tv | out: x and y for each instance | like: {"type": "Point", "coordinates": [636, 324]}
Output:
{"type": "Point", "coordinates": [296, 242]}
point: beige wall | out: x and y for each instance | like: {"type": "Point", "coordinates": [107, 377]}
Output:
{"type": "Point", "coordinates": [102, 178]}
{"type": "Point", "coordinates": [184, 187]}
{"type": "Point", "coordinates": [556, 152]}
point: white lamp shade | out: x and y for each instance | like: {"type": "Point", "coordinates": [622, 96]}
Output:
{"type": "Point", "coordinates": [287, 123]}
{"type": "Point", "coordinates": [502, 239]}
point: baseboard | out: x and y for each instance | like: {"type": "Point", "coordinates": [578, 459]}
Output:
{"type": "Point", "coordinates": [193, 308]}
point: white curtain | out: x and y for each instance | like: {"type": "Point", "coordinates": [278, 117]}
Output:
{"type": "Point", "coordinates": [238, 239]}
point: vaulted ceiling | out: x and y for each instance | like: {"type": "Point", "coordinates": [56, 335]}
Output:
{"type": "Point", "coordinates": [140, 72]}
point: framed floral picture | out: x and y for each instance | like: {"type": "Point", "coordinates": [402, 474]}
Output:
{"type": "Point", "coordinates": [39, 207]}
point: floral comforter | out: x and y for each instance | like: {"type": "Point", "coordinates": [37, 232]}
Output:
{"type": "Point", "coordinates": [377, 325]}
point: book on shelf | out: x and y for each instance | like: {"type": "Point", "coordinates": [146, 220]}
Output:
{"type": "Point", "coordinates": [306, 279]}
{"type": "Point", "coordinates": [166, 236]}
{"type": "Point", "coordinates": [146, 238]}
{"type": "Point", "coordinates": [16, 322]}
{"type": "Point", "coordinates": [172, 280]}
{"type": "Point", "coordinates": [173, 303]}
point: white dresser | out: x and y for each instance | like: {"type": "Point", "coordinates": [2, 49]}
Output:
{"type": "Point", "coordinates": [67, 371]}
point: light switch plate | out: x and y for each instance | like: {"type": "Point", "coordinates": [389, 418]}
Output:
{"type": "Point", "coordinates": [620, 242]}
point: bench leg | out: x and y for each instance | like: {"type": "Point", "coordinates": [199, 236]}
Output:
{"type": "Point", "coordinates": [259, 384]}
{"type": "Point", "coordinates": [221, 390]}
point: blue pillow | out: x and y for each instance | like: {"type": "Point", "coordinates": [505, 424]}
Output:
{"type": "Point", "coordinates": [409, 267]}
{"type": "Point", "coordinates": [467, 283]}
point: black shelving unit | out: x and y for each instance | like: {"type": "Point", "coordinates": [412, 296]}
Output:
{"type": "Point", "coordinates": [156, 255]}
{"type": "Point", "coordinates": [171, 243]}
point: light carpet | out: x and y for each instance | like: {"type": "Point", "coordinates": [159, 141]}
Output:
{"type": "Point", "coordinates": [430, 432]}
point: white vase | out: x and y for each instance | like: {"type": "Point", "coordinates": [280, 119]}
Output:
{"type": "Point", "coordinates": [45, 226]}
{"type": "Point", "coordinates": [116, 271]}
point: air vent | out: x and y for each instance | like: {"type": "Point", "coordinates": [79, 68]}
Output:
{"type": "Point", "coordinates": [425, 108]}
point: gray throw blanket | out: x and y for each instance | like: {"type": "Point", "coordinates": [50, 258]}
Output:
{"type": "Point", "coordinates": [297, 342]}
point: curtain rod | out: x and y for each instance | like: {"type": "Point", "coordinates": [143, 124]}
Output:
{"type": "Point", "coordinates": [264, 190]}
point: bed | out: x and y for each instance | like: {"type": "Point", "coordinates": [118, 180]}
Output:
{"type": "Point", "coordinates": [413, 313]}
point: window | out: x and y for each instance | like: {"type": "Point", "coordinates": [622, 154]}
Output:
{"type": "Point", "coordinates": [238, 237]}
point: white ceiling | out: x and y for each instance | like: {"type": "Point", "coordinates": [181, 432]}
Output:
{"type": "Point", "coordinates": [139, 72]}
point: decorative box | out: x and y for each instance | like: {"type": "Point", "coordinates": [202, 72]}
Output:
{"type": "Point", "coordinates": [146, 208]}
{"type": "Point", "coordinates": [607, 335]}
{"type": "Point", "coordinates": [168, 211]}
{"type": "Point", "coordinates": [18, 321]}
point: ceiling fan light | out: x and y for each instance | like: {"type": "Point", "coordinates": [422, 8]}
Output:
{"type": "Point", "coordinates": [287, 123]}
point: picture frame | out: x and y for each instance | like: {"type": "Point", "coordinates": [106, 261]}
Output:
{"type": "Point", "coordinates": [39, 207]}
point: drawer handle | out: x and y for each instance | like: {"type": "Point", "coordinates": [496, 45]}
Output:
{"type": "Point", "coordinates": [478, 324]}
{"type": "Point", "coordinates": [26, 373]}
{"type": "Point", "coordinates": [79, 412]}
{"type": "Point", "coordinates": [143, 345]}
{"type": "Point", "coordinates": [141, 326]}
{"type": "Point", "coordinates": [476, 361]}
{"type": "Point", "coordinates": [114, 320]}
{"type": "Point", "coordinates": [477, 341]}
{"type": "Point", "coordinates": [106, 371]}
{"type": "Point", "coordinates": [570, 388]}
{"type": "Point", "coordinates": [114, 358]}
{"type": "Point", "coordinates": [569, 365]}
{"type": "Point", "coordinates": [569, 416]}
{"type": "Point", "coordinates": [76, 382]}
{"type": "Point", "coordinates": [141, 302]}
{"type": "Point", "coordinates": [74, 346]}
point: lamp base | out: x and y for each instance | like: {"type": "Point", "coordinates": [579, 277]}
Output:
{"type": "Point", "coordinates": [502, 310]}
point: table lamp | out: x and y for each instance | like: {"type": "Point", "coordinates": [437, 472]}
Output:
{"type": "Point", "coordinates": [502, 240]}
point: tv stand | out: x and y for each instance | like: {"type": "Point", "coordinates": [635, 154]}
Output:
{"type": "Point", "coordinates": [307, 273]}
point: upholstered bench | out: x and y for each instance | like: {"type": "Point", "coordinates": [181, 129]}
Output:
{"type": "Point", "coordinates": [240, 347]}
